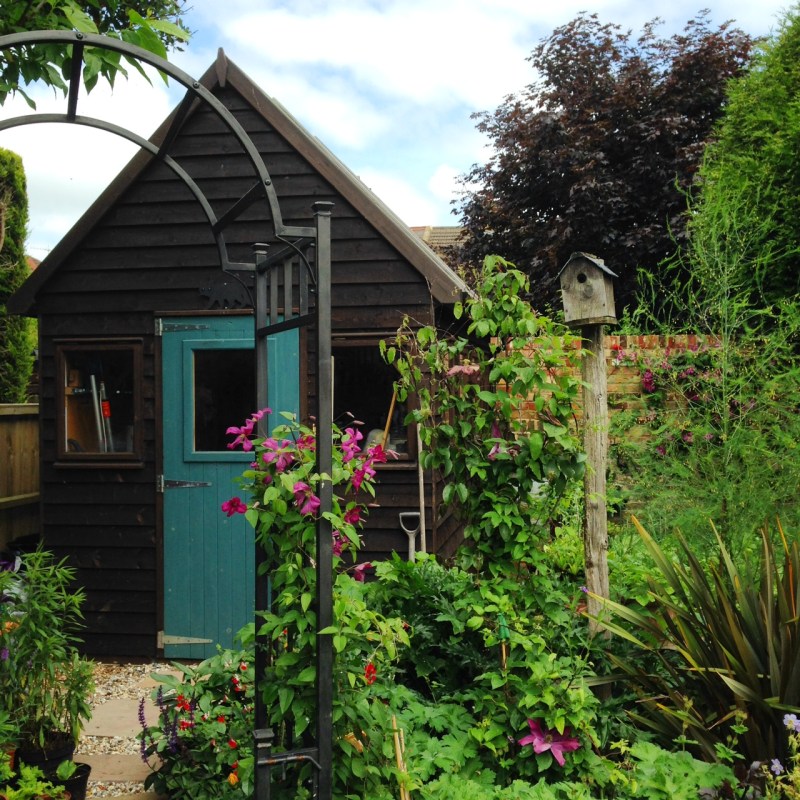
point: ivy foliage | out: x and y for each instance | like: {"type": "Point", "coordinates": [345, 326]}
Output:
{"type": "Point", "coordinates": [156, 27]}
{"type": "Point", "coordinates": [16, 353]}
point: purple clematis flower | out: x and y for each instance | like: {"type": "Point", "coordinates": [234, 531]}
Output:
{"type": "Point", "coordinates": [557, 743]}
{"type": "Point", "coordinates": [304, 497]}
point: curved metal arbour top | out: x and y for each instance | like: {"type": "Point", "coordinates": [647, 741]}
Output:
{"type": "Point", "coordinates": [195, 90]}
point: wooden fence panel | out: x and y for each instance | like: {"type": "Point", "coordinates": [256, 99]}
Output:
{"type": "Point", "coordinates": [19, 472]}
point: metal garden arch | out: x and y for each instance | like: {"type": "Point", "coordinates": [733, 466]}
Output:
{"type": "Point", "coordinates": [268, 280]}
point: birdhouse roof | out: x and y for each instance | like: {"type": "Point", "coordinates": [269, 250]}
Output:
{"type": "Point", "coordinates": [598, 262]}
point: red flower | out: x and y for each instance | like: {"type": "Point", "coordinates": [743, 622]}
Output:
{"type": "Point", "coordinates": [182, 703]}
{"type": "Point", "coordinates": [233, 744]}
{"type": "Point", "coordinates": [243, 667]}
{"type": "Point", "coordinates": [221, 719]}
{"type": "Point", "coordinates": [234, 506]}
{"type": "Point", "coordinates": [370, 674]}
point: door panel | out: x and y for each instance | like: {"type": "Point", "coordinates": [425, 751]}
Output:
{"type": "Point", "coordinates": [208, 385]}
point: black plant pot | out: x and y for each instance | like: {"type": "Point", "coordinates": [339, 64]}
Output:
{"type": "Point", "coordinates": [79, 782]}
{"type": "Point", "coordinates": [58, 749]}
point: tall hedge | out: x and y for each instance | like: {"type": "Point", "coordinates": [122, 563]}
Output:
{"type": "Point", "coordinates": [16, 352]}
{"type": "Point", "coordinates": [748, 215]}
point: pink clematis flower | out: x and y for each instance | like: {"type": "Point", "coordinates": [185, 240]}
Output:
{"type": "Point", "coordinates": [353, 515]}
{"type": "Point", "coordinates": [359, 571]}
{"type": "Point", "coordinates": [304, 497]}
{"type": "Point", "coordinates": [278, 452]}
{"type": "Point", "coordinates": [557, 743]}
{"type": "Point", "coordinates": [463, 369]}
{"type": "Point", "coordinates": [243, 434]}
{"type": "Point", "coordinates": [234, 506]}
{"type": "Point", "coordinates": [350, 444]}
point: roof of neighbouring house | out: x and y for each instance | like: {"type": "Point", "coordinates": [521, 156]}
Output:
{"type": "Point", "coordinates": [439, 237]}
{"type": "Point", "coordinates": [445, 285]}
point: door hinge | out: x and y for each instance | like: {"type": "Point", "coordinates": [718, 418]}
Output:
{"type": "Point", "coordinates": [162, 484]}
{"type": "Point", "coordinates": [163, 639]}
{"type": "Point", "coordinates": [171, 327]}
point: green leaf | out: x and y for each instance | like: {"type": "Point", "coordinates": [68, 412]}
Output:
{"type": "Point", "coordinates": [308, 675]}
{"type": "Point", "coordinates": [285, 698]}
{"type": "Point", "coordinates": [78, 19]}
{"type": "Point", "coordinates": [169, 28]}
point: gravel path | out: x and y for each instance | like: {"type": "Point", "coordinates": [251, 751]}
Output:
{"type": "Point", "coordinates": [115, 681]}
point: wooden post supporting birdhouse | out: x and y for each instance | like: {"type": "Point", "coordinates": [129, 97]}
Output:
{"type": "Point", "coordinates": [588, 295]}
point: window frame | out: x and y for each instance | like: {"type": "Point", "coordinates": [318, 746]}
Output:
{"type": "Point", "coordinates": [127, 459]}
{"type": "Point", "coordinates": [373, 342]}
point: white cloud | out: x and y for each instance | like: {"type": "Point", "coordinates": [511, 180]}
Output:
{"type": "Point", "coordinates": [68, 165]}
{"type": "Point", "coordinates": [444, 52]}
{"type": "Point", "coordinates": [411, 205]}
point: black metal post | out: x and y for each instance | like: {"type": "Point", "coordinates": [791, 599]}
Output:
{"type": "Point", "coordinates": [322, 216]}
{"type": "Point", "coordinates": [263, 735]}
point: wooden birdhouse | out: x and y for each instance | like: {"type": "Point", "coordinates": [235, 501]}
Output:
{"type": "Point", "coordinates": [587, 291]}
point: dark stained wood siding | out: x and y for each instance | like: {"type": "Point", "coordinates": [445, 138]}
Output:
{"type": "Point", "coordinates": [150, 253]}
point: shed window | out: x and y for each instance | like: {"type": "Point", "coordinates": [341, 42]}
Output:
{"type": "Point", "coordinates": [363, 385]}
{"type": "Point", "coordinates": [100, 398]}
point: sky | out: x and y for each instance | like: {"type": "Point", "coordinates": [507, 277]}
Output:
{"type": "Point", "coordinates": [390, 86]}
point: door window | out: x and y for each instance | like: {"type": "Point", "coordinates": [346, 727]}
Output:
{"type": "Point", "coordinates": [224, 392]}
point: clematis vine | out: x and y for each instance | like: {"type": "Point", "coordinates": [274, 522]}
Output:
{"type": "Point", "coordinates": [542, 741]}
{"type": "Point", "coordinates": [304, 497]}
{"type": "Point", "coordinates": [375, 455]}
{"type": "Point", "coordinates": [282, 474]}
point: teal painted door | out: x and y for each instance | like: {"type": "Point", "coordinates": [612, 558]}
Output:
{"type": "Point", "coordinates": [208, 384]}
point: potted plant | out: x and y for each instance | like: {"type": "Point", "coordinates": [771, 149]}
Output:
{"type": "Point", "coordinates": [9, 733]}
{"type": "Point", "coordinates": [44, 681]}
{"type": "Point", "coordinates": [74, 777]}
{"type": "Point", "coordinates": [31, 784]}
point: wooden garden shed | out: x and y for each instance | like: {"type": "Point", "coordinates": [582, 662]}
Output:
{"type": "Point", "coordinates": [146, 358]}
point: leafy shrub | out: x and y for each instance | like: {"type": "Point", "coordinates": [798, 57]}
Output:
{"type": "Point", "coordinates": [201, 746]}
{"type": "Point", "coordinates": [728, 644]}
